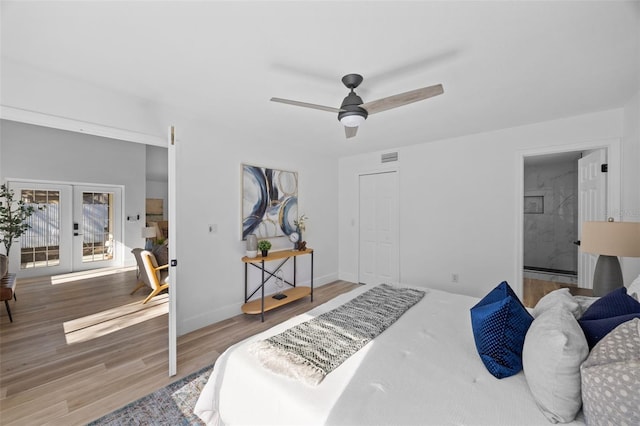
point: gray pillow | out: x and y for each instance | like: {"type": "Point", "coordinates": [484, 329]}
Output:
{"type": "Point", "coordinates": [611, 378]}
{"type": "Point", "coordinates": [161, 253]}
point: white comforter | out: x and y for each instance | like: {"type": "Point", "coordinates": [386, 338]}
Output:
{"type": "Point", "coordinates": [423, 370]}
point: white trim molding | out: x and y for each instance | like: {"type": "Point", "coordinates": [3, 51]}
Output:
{"type": "Point", "coordinates": [63, 123]}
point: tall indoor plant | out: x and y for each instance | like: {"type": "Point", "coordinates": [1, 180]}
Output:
{"type": "Point", "coordinates": [13, 217]}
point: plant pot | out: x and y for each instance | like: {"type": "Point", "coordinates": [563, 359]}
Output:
{"type": "Point", "coordinates": [265, 253]}
{"type": "Point", "coordinates": [252, 243]}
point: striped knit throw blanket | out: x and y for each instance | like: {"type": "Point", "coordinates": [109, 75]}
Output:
{"type": "Point", "coordinates": [312, 349]}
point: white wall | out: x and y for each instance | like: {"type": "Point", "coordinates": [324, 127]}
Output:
{"type": "Point", "coordinates": [60, 97]}
{"type": "Point", "coordinates": [210, 271]}
{"type": "Point", "coordinates": [40, 153]}
{"type": "Point", "coordinates": [631, 185]}
{"type": "Point", "coordinates": [459, 201]}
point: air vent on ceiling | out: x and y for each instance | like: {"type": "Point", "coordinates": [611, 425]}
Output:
{"type": "Point", "coordinates": [389, 157]}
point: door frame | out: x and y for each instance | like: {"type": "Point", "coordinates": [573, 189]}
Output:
{"type": "Point", "coordinates": [613, 148]}
{"type": "Point", "coordinates": [78, 126]}
{"type": "Point", "coordinates": [74, 265]}
{"type": "Point", "coordinates": [172, 153]}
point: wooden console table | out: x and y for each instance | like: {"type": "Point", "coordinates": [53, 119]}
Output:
{"type": "Point", "coordinates": [262, 305]}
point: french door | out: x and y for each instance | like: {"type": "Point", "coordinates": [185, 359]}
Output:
{"type": "Point", "coordinates": [74, 228]}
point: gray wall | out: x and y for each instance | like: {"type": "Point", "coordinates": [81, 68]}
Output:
{"type": "Point", "coordinates": [548, 237]}
{"type": "Point", "coordinates": [40, 153]}
{"type": "Point", "coordinates": [158, 175]}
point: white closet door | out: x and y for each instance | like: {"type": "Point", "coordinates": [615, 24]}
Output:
{"type": "Point", "coordinates": [378, 246]}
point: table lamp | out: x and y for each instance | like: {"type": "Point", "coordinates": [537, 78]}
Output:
{"type": "Point", "coordinates": [148, 232]}
{"type": "Point", "coordinates": [610, 240]}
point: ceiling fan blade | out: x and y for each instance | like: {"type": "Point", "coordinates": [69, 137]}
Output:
{"type": "Point", "coordinates": [306, 105]}
{"type": "Point", "coordinates": [350, 131]}
{"type": "Point", "coordinates": [402, 99]}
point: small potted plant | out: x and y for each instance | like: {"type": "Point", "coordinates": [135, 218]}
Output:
{"type": "Point", "coordinates": [264, 246]}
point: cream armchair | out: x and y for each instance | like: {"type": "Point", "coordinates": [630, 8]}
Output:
{"type": "Point", "coordinates": [150, 274]}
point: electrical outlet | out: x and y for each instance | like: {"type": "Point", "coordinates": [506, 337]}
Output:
{"type": "Point", "coordinates": [454, 277]}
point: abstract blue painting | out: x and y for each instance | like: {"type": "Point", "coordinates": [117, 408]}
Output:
{"type": "Point", "coordinates": [269, 201]}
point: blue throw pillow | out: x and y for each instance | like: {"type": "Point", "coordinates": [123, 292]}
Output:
{"type": "Point", "coordinates": [612, 304]}
{"type": "Point", "coordinates": [594, 330]}
{"type": "Point", "coordinates": [607, 313]}
{"type": "Point", "coordinates": [500, 323]}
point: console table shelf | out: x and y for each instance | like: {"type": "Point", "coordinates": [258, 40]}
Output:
{"type": "Point", "coordinates": [267, 303]}
{"type": "Point", "coordinates": [293, 294]}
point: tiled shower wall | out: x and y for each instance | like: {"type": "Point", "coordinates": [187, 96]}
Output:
{"type": "Point", "coordinates": [549, 236]}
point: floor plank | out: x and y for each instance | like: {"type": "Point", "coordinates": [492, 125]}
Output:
{"type": "Point", "coordinates": [74, 351]}
{"type": "Point", "coordinates": [535, 289]}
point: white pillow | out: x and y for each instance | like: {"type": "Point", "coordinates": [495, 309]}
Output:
{"type": "Point", "coordinates": [560, 297]}
{"type": "Point", "coordinates": [584, 302]}
{"type": "Point", "coordinates": [634, 289]}
{"type": "Point", "coordinates": [554, 348]}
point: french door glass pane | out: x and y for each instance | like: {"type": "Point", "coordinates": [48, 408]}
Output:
{"type": "Point", "coordinates": [41, 243]}
{"type": "Point", "coordinates": [97, 225]}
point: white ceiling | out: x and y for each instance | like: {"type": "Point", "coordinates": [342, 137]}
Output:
{"type": "Point", "coordinates": [502, 63]}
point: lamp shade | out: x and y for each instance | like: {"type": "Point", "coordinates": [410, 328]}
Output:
{"type": "Point", "coordinates": [611, 238]}
{"type": "Point", "coordinates": [148, 232]}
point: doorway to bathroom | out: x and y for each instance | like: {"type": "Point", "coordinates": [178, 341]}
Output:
{"type": "Point", "coordinates": [561, 191]}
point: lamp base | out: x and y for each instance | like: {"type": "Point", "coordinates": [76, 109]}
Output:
{"type": "Point", "coordinates": [607, 275]}
{"type": "Point", "coordinates": [148, 245]}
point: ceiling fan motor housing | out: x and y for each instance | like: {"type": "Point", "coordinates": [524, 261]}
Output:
{"type": "Point", "coordinates": [351, 106]}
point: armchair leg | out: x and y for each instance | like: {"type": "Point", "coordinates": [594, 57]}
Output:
{"type": "Point", "coordinates": [155, 293]}
{"type": "Point", "coordinates": [6, 303]}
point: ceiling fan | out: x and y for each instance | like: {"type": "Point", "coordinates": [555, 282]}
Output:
{"type": "Point", "coordinates": [353, 112]}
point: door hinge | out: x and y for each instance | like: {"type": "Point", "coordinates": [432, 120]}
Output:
{"type": "Point", "coordinates": [604, 168]}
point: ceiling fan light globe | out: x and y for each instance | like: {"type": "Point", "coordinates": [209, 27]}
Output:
{"type": "Point", "coordinates": [352, 120]}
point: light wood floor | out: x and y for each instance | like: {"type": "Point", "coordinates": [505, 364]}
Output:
{"type": "Point", "coordinates": [78, 350]}
{"type": "Point", "coordinates": [534, 289]}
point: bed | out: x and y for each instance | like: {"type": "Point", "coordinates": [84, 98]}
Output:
{"type": "Point", "coordinates": [424, 369]}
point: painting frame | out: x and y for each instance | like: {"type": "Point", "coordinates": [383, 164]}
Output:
{"type": "Point", "coordinates": [533, 204]}
{"type": "Point", "coordinates": [269, 201]}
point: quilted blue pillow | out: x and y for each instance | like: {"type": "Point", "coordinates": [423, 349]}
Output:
{"type": "Point", "coordinates": [500, 323]}
{"type": "Point", "coordinates": [612, 304]}
{"type": "Point", "coordinates": [594, 330]}
{"type": "Point", "coordinates": [607, 313]}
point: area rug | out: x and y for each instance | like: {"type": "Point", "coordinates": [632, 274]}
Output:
{"type": "Point", "coordinates": [171, 405]}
